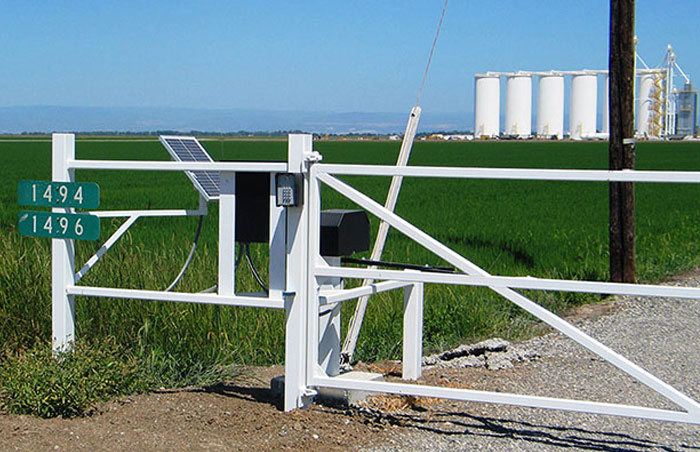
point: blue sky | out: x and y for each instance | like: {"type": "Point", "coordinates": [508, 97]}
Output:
{"type": "Point", "coordinates": [311, 55]}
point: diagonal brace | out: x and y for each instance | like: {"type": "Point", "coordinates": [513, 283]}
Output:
{"type": "Point", "coordinates": [106, 246]}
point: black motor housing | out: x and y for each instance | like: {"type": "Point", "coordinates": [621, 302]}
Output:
{"type": "Point", "coordinates": [344, 232]}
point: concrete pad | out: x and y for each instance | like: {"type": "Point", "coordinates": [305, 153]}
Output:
{"type": "Point", "coordinates": [349, 396]}
{"type": "Point", "coordinates": [333, 395]}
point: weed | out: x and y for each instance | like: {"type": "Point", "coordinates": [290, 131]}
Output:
{"type": "Point", "coordinates": [38, 382]}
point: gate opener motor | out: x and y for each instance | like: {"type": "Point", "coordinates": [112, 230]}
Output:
{"type": "Point", "coordinates": [344, 232]}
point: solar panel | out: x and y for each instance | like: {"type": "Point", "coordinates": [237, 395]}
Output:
{"type": "Point", "coordinates": [188, 149]}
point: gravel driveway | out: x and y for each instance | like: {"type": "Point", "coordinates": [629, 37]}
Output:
{"type": "Point", "coordinates": [661, 335]}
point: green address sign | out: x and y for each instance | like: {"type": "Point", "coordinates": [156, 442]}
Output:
{"type": "Point", "coordinates": [58, 194]}
{"type": "Point", "coordinates": [59, 225]}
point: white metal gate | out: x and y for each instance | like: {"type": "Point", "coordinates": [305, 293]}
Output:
{"type": "Point", "coordinates": [476, 276]}
{"type": "Point", "coordinates": [299, 276]}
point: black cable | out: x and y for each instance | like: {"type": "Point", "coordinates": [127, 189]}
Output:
{"type": "Point", "coordinates": [189, 257]}
{"type": "Point", "coordinates": [239, 256]}
{"type": "Point", "coordinates": [210, 290]}
{"type": "Point", "coordinates": [423, 268]}
{"type": "Point", "coordinates": [252, 269]}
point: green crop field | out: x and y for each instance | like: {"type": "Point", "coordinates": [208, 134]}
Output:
{"type": "Point", "coordinates": [545, 229]}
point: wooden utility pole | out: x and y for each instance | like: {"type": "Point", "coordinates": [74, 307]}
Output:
{"type": "Point", "coordinates": [621, 95]}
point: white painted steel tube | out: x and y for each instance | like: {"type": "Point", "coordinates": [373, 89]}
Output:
{"type": "Point", "coordinates": [523, 302]}
{"type": "Point", "coordinates": [295, 295]}
{"type": "Point", "coordinates": [550, 106]}
{"type": "Point", "coordinates": [471, 395]}
{"type": "Point", "coordinates": [144, 165]}
{"type": "Point", "coordinates": [519, 105]}
{"type": "Point", "coordinates": [227, 234]}
{"type": "Point", "coordinates": [148, 213]}
{"type": "Point", "coordinates": [62, 251]}
{"type": "Point", "coordinates": [412, 357]}
{"type": "Point", "coordinates": [515, 282]}
{"type": "Point", "coordinates": [105, 247]}
{"type": "Point", "coordinates": [182, 297]}
{"type": "Point", "coordinates": [487, 105]}
{"type": "Point", "coordinates": [583, 111]}
{"type": "Point", "coordinates": [277, 243]}
{"type": "Point", "coordinates": [335, 296]}
{"type": "Point", "coordinates": [691, 177]}
{"type": "Point", "coordinates": [313, 259]}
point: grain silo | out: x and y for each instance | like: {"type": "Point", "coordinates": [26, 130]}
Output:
{"type": "Point", "coordinates": [519, 104]}
{"type": "Point", "coordinates": [550, 105]}
{"type": "Point", "coordinates": [584, 99]}
{"type": "Point", "coordinates": [645, 103]}
{"type": "Point", "coordinates": [487, 98]}
{"type": "Point", "coordinates": [606, 106]}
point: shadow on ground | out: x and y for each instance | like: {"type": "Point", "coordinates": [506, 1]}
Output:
{"type": "Point", "coordinates": [457, 424]}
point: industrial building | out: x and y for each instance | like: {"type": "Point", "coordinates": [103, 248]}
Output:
{"type": "Point", "coordinates": [687, 110]}
{"type": "Point", "coordinates": [661, 110]}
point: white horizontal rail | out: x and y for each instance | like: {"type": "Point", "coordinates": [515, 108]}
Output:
{"type": "Point", "coordinates": [472, 395]}
{"type": "Point", "coordinates": [225, 300]}
{"type": "Point", "coordinates": [146, 165]}
{"type": "Point", "coordinates": [513, 282]}
{"type": "Point", "coordinates": [512, 173]}
{"type": "Point", "coordinates": [335, 296]}
{"type": "Point", "coordinates": [148, 213]}
{"type": "Point", "coordinates": [105, 247]}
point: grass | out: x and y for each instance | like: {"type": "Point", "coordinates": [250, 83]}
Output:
{"type": "Point", "coordinates": [545, 229]}
{"type": "Point", "coordinates": [34, 382]}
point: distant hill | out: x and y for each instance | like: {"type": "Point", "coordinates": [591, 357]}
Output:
{"type": "Point", "coordinates": [138, 119]}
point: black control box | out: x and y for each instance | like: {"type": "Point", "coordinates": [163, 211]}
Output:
{"type": "Point", "coordinates": [252, 207]}
{"type": "Point", "coordinates": [344, 232]}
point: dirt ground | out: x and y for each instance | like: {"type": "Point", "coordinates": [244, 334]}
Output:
{"type": "Point", "coordinates": [243, 416]}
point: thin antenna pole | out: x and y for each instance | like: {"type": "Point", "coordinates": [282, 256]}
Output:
{"type": "Point", "coordinates": [430, 57]}
{"type": "Point", "coordinates": [357, 318]}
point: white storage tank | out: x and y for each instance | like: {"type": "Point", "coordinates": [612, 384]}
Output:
{"type": "Point", "coordinates": [645, 103]}
{"type": "Point", "coordinates": [550, 105]}
{"type": "Point", "coordinates": [519, 104]}
{"type": "Point", "coordinates": [584, 99]}
{"type": "Point", "coordinates": [487, 105]}
{"type": "Point", "coordinates": [606, 106]}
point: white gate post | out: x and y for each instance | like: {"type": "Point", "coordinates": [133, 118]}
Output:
{"type": "Point", "coordinates": [295, 297]}
{"type": "Point", "coordinates": [62, 250]}
{"type": "Point", "coordinates": [329, 321]}
{"type": "Point", "coordinates": [277, 243]}
{"type": "Point", "coordinates": [227, 233]}
{"type": "Point", "coordinates": [412, 331]}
